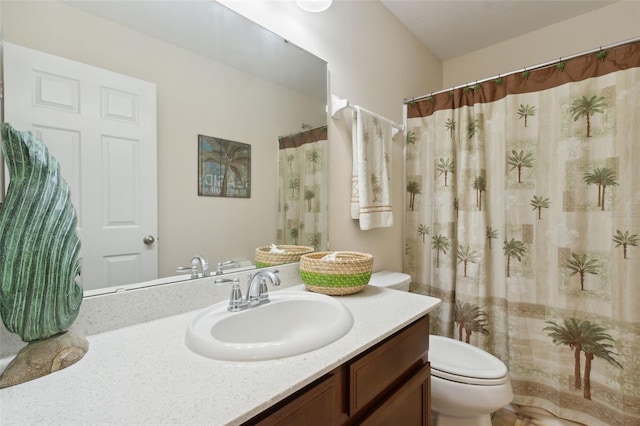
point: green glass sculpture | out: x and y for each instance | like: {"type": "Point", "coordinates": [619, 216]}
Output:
{"type": "Point", "coordinates": [39, 295]}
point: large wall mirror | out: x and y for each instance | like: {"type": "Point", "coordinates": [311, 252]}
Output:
{"type": "Point", "coordinates": [218, 78]}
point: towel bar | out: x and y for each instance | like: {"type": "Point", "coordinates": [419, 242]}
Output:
{"type": "Point", "coordinates": [338, 104]}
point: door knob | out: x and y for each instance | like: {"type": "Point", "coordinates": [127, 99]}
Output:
{"type": "Point", "coordinates": [148, 240]}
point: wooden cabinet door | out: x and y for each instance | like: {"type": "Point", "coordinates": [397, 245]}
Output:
{"type": "Point", "coordinates": [380, 370]}
{"type": "Point", "coordinates": [313, 407]}
{"type": "Point", "coordinates": [408, 406]}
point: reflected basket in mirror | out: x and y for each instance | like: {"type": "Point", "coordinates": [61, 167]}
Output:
{"type": "Point", "coordinates": [266, 257]}
{"type": "Point", "coordinates": [336, 273]}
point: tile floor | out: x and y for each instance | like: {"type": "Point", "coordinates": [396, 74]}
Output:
{"type": "Point", "coordinates": [514, 415]}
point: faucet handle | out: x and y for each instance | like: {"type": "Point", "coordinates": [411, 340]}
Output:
{"type": "Point", "coordinates": [221, 265]}
{"type": "Point", "coordinates": [236, 303]}
{"type": "Point", "coordinates": [193, 270]}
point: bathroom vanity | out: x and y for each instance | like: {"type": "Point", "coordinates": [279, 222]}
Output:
{"type": "Point", "coordinates": [144, 374]}
{"type": "Point", "coordinates": [387, 384]}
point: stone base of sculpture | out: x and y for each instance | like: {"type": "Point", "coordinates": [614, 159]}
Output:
{"type": "Point", "coordinates": [44, 357]}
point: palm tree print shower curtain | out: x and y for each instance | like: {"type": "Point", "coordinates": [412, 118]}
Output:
{"type": "Point", "coordinates": [302, 189]}
{"type": "Point", "coordinates": [523, 216]}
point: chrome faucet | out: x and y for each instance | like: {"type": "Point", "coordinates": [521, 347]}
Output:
{"type": "Point", "coordinates": [257, 288]}
{"type": "Point", "coordinates": [257, 291]}
{"type": "Point", "coordinates": [204, 267]}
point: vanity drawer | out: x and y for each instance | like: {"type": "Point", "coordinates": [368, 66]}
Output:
{"type": "Point", "coordinates": [383, 368]}
{"type": "Point", "coordinates": [314, 405]}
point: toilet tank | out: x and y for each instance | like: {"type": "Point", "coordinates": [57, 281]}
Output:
{"type": "Point", "coordinates": [388, 279]}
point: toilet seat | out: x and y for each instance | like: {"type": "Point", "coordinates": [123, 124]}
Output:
{"type": "Point", "coordinates": [464, 363]}
{"type": "Point", "coordinates": [468, 380]}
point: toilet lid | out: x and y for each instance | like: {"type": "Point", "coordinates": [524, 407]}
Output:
{"type": "Point", "coordinates": [390, 279]}
{"type": "Point", "coordinates": [462, 362]}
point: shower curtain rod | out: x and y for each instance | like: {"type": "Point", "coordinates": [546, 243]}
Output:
{"type": "Point", "coordinates": [539, 66]}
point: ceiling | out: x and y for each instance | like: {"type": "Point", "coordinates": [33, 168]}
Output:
{"type": "Point", "coordinates": [450, 28]}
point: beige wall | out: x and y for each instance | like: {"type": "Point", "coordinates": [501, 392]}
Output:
{"type": "Point", "coordinates": [374, 62]}
{"type": "Point", "coordinates": [611, 24]}
{"type": "Point", "coordinates": [195, 96]}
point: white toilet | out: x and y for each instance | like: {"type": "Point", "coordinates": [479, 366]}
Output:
{"type": "Point", "coordinates": [467, 383]}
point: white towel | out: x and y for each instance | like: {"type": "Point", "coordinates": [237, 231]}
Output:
{"type": "Point", "coordinates": [371, 176]}
{"type": "Point", "coordinates": [330, 256]}
{"type": "Point", "coordinates": [276, 249]}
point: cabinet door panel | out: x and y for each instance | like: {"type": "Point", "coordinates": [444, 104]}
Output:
{"type": "Point", "coordinates": [313, 407]}
{"type": "Point", "coordinates": [381, 369]}
{"type": "Point", "coordinates": [408, 406]}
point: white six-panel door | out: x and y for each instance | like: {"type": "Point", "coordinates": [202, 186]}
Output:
{"type": "Point", "coordinates": [101, 127]}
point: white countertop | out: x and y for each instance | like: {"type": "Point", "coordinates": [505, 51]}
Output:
{"type": "Point", "coordinates": [145, 375]}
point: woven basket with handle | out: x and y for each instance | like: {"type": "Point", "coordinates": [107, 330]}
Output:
{"type": "Point", "coordinates": [349, 272]}
{"type": "Point", "coordinates": [265, 258]}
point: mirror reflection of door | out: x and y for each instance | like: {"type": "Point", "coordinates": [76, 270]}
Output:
{"type": "Point", "coordinates": [101, 127]}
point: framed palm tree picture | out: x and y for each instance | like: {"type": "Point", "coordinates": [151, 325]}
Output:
{"type": "Point", "coordinates": [224, 168]}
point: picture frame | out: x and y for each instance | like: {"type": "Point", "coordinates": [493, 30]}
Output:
{"type": "Point", "coordinates": [224, 168]}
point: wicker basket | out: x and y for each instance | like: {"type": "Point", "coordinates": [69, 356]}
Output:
{"type": "Point", "coordinates": [265, 258]}
{"type": "Point", "coordinates": [349, 273]}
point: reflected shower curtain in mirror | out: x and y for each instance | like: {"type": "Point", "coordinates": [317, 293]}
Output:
{"type": "Point", "coordinates": [523, 216]}
{"type": "Point", "coordinates": [302, 189]}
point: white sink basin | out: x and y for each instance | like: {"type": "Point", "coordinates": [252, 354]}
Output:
{"type": "Point", "coordinates": [293, 322]}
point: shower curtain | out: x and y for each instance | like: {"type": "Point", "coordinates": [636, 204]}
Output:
{"type": "Point", "coordinates": [302, 189]}
{"type": "Point", "coordinates": [523, 216]}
